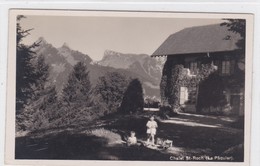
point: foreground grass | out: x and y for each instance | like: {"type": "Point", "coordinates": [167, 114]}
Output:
{"type": "Point", "coordinates": [102, 140]}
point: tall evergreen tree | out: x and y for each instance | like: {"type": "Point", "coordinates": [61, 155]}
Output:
{"type": "Point", "coordinates": [42, 72]}
{"type": "Point", "coordinates": [133, 100]}
{"type": "Point", "coordinates": [76, 91]}
{"type": "Point", "coordinates": [34, 97]}
{"type": "Point", "coordinates": [26, 75]}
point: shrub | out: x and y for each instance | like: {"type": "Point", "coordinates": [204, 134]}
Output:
{"type": "Point", "coordinates": [109, 91]}
{"type": "Point", "coordinates": [211, 96]}
{"type": "Point", "coordinates": [133, 100]}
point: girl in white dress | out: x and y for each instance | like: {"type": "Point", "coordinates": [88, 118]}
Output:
{"type": "Point", "coordinates": [151, 129]}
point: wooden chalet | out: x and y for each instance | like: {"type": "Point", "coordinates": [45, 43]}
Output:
{"type": "Point", "coordinates": [194, 46]}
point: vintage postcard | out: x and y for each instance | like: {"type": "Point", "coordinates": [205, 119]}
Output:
{"type": "Point", "coordinates": [113, 87]}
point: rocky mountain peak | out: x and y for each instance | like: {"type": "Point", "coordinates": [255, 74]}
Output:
{"type": "Point", "coordinates": [110, 53]}
{"type": "Point", "coordinates": [141, 64]}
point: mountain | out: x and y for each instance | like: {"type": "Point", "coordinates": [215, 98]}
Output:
{"type": "Point", "coordinates": [141, 64]}
{"type": "Point", "coordinates": [147, 69]}
{"type": "Point", "coordinates": [61, 61]}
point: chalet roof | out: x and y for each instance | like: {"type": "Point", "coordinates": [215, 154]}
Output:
{"type": "Point", "coordinates": [199, 39]}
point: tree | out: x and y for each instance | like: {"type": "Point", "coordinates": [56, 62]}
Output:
{"type": "Point", "coordinates": [75, 99]}
{"type": "Point", "coordinates": [109, 91]}
{"type": "Point", "coordinates": [76, 91]}
{"type": "Point", "coordinates": [237, 26]}
{"type": "Point", "coordinates": [42, 72]}
{"type": "Point", "coordinates": [212, 93]}
{"type": "Point", "coordinates": [26, 75]}
{"type": "Point", "coordinates": [133, 100]}
{"type": "Point", "coordinates": [42, 83]}
{"type": "Point", "coordinates": [40, 112]}
{"type": "Point", "coordinates": [35, 97]}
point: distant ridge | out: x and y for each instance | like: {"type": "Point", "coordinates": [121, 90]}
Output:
{"type": "Point", "coordinates": [138, 63]}
{"type": "Point", "coordinates": [61, 60]}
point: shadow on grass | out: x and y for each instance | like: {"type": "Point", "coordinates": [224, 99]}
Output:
{"type": "Point", "coordinates": [77, 145]}
{"type": "Point", "coordinates": [80, 147]}
{"type": "Point", "coordinates": [60, 146]}
{"type": "Point", "coordinates": [195, 140]}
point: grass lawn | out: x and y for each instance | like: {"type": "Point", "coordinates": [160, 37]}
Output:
{"type": "Point", "coordinates": [195, 136]}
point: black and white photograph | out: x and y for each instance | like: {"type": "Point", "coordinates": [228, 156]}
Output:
{"type": "Point", "coordinates": [130, 86]}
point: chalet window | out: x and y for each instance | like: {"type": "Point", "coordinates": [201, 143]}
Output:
{"type": "Point", "coordinates": [225, 68]}
{"type": "Point", "coordinates": [193, 67]}
{"type": "Point", "coordinates": [183, 95]}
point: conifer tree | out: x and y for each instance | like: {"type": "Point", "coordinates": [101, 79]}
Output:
{"type": "Point", "coordinates": [40, 112]}
{"type": "Point", "coordinates": [133, 100]}
{"type": "Point", "coordinates": [26, 76]}
{"type": "Point", "coordinates": [35, 97]}
{"type": "Point", "coordinates": [77, 89]}
{"type": "Point", "coordinates": [42, 72]}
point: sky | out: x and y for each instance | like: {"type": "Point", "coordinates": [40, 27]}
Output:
{"type": "Point", "coordinates": [93, 35]}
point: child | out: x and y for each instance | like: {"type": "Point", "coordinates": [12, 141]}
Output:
{"type": "Point", "coordinates": [151, 129]}
{"type": "Point", "coordinates": [132, 139]}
